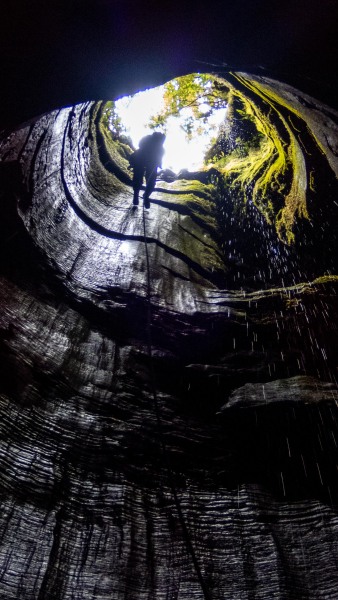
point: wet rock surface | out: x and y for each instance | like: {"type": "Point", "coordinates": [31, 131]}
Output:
{"type": "Point", "coordinates": [168, 423]}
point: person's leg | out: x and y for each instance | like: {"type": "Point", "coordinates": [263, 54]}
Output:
{"type": "Point", "coordinates": [137, 184]}
{"type": "Point", "coordinates": [151, 180]}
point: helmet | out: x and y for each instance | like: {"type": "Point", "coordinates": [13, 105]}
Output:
{"type": "Point", "coordinates": [158, 136]}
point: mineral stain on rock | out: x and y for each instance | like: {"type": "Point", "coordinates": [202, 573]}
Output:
{"type": "Point", "coordinates": [168, 390]}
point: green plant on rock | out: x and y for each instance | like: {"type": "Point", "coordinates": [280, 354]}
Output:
{"type": "Point", "coordinates": [261, 159]}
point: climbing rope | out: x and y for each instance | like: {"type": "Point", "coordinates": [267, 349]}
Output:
{"type": "Point", "coordinates": [166, 461]}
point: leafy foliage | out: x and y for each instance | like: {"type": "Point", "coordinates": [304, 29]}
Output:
{"type": "Point", "coordinates": [195, 97]}
{"type": "Point", "coordinates": [114, 122]}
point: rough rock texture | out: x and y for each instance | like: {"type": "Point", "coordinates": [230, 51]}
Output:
{"type": "Point", "coordinates": [168, 412]}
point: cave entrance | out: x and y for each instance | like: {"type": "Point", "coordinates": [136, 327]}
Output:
{"type": "Point", "coordinates": [189, 110]}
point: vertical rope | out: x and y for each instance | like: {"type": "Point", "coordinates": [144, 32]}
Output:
{"type": "Point", "coordinates": [171, 478]}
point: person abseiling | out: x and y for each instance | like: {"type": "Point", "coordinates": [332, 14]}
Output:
{"type": "Point", "coordinates": [145, 161]}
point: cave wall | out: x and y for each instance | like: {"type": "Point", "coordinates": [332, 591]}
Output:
{"type": "Point", "coordinates": [168, 412]}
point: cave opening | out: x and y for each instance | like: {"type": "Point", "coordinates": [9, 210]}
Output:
{"type": "Point", "coordinates": [235, 156]}
{"type": "Point", "coordinates": [187, 109]}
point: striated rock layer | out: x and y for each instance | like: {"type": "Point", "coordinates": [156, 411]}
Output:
{"type": "Point", "coordinates": [168, 377]}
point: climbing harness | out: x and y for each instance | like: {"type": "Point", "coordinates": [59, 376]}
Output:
{"type": "Point", "coordinates": [166, 461]}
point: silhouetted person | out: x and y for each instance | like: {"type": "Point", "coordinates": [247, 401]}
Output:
{"type": "Point", "coordinates": [145, 162]}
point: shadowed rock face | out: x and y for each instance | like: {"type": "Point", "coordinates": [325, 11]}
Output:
{"type": "Point", "coordinates": [168, 389]}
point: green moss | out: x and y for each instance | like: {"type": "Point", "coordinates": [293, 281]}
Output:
{"type": "Point", "coordinates": [269, 166]}
{"type": "Point", "coordinates": [118, 150]}
{"type": "Point", "coordinates": [193, 185]}
{"type": "Point", "coordinates": [326, 279]}
{"type": "Point", "coordinates": [108, 157]}
{"type": "Point", "coordinates": [200, 208]}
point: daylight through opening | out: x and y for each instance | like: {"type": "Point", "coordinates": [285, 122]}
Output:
{"type": "Point", "coordinates": [186, 109]}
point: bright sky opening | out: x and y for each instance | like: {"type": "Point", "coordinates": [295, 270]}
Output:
{"type": "Point", "coordinates": [180, 153]}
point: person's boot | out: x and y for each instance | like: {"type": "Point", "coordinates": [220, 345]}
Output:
{"type": "Point", "coordinates": [146, 201]}
{"type": "Point", "coordinates": [135, 199]}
